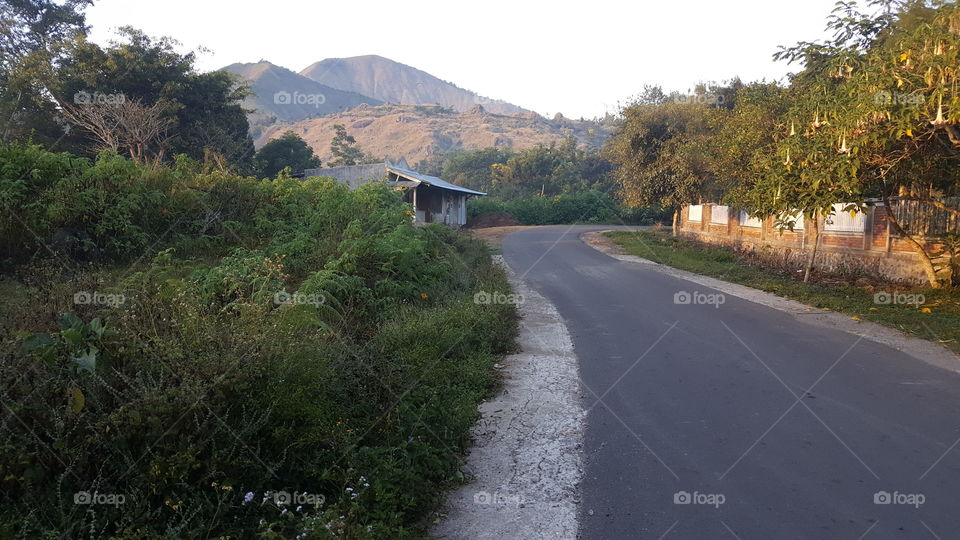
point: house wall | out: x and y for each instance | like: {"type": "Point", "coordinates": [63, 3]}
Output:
{"type": "Point", "coordinates": [352, 176]}
{"type": "Point", "coordinates": [874, 250]}
{"type": "Point", "coordinates": [437, 205]}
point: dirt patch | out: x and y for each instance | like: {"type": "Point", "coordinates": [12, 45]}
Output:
{"type": "Point", "coordinates": [601, 243]}
{"type": "Point", "coordinates": [493, 219]}
{"type": "Point", "coordinates": [494, 236]}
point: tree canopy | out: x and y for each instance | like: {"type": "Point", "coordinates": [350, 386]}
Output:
{"type": "Point", "coordinates": [288, 150]}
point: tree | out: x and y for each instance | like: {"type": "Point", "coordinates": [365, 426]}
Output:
{"type": "Point", "coordinates": [345, 150]}
{"type": "Point", "coordinates": [204, 108]}
{"type": "Point", "coordinates": [873, 114]}
{"type": "Point", "coordinates": [288, 150]}
{"type": "Point", "coordinates": [472, 169]}
{"type": "Point", "coordinates": [123, 125]}
{"type": "Point", "coordinates": [30, 34]}
{"type": "Point", "coordinates": [659, 152]}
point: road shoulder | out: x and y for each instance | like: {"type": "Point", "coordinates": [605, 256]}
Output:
{"type": "Point", "coordinates": [927, 351]}
{"type": "Point", "coordinates": [526, 460]}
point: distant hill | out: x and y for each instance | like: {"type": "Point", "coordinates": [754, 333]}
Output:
{"type": "Point", "coordinates": [284, 96]}
{"type": "Point", "coordinates": [419, 132]}
{"type": "Point", "coordinates": [397, 83]}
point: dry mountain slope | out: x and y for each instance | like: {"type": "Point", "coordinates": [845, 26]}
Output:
{"type": "Point", "coordinates": [397, 83]}
{"type": "Point", "coordinates": [282, 95]}
{"type": "Point", "coordinates": [418, 132]}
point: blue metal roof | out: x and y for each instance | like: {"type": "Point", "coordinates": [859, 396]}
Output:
{"type": "Point", "coordinates": [429, 180]}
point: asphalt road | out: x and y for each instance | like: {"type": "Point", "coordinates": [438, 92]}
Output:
{"type": "Point", "coordinates": [765, 426]}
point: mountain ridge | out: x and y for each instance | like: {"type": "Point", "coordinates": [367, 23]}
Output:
{"type": "Point", "coordinates": [393, 82]}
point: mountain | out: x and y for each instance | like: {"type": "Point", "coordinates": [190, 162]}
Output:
{"type": "Point", "coordinates": [282, 95]}
{"type": "Point", "coordinates": [397, 83]}
{"type": "Point", "coordinates": [423, 132]}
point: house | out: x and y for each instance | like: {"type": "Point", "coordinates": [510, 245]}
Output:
{"type": "Point", "coordinates": [434, 200]}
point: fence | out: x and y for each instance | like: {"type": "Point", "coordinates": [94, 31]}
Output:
{"type": "Point", "coordinates": [918, 218]}
{"type": "Point", "coordinates": [851, 240]}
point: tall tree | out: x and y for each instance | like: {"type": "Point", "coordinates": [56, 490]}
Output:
{"type": "Point", "coordinates": [874, 113]}
{"type": "Point", "coordinates": [204, 108]}
{"type": "Point", "coordinates": [660, 154]}
{"type": "Point", "coordinates": [30, 34]}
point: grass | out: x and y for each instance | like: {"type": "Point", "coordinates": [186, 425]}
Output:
{"type": "Point", "coordinates": [936, 319]}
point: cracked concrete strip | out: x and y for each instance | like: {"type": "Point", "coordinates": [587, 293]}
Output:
{"type": "Point", "coordinates": [927, 351]}
{"type": "Point", "coordinates": [526, 461]}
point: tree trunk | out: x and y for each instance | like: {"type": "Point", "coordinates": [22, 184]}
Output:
{"type": "Point", "coordinates": [925, 259]}
{"type": "Point", "coordinates": [676, 222]}
{"type": "Point", "coordinates": [812, 258]}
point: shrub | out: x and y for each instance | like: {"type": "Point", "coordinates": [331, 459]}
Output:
{"type": "Point", "coordinates": [274, 336]}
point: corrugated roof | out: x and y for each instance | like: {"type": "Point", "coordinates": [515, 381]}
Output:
{"type": "Point", "coordinates": [429, 180]}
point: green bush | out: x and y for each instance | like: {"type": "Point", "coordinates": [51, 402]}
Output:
{"type": "Point", "coordinates": [264, 336]}
{"type": "Point", "coordinates": [567, 208]}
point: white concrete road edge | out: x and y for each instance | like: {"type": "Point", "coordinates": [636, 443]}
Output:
{"type": "Point", "coordinates": [927, 351]}
{"type": "Point", "coordinates": [526, 460]}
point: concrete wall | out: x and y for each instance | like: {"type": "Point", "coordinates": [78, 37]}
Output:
{"type": "Point", "coordinates": [874, 251]}
{"type": "Point", "coordinates": [352, 176]}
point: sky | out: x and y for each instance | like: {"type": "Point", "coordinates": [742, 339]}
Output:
{"type": "Point", "coordinates": [579, 58]}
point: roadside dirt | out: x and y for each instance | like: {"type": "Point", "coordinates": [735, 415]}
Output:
{"type": "Point", "coordinates": [493, 219]}
{"type": "Point", "coordinates": [494, 236]}
{"type": "Point", "coordinates": [526, 462]}
{"type": "Point", "coordinates": [601, 243]}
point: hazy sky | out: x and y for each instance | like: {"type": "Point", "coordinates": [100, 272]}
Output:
{"type": "Point", "coordinates": [580, 58]}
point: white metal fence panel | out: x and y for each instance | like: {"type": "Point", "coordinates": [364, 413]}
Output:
{"type": "Point", "coordinates": [747, 221]}
{"type": "Point", "coordinates": [719, 215]}
{"type": "Point", "coordinates": [797, 218]}
{"type": "Point", "coordinates": [842, 221]}
{"type": "Point", "coordinates": [695, 212]}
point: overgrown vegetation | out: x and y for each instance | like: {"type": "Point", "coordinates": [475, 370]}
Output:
{"type": "Point", "coordinates": [578, 207]}
{"type": "Point", "coordinates": [544, 185]}
{"type": "Point", "coordinates": [188, 353]}
{"type": "Point", "coordinates": [936, 318]}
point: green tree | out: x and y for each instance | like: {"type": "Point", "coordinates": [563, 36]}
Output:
{"type": "Point", "coordinates": [659, 151]}
{"type": "Point", "coordinates": [872, 114]}
{"type": "Point", "coordinates": [31, 32]}
{"type": "Point", "coordinates": [289, 150]}
{"type": "Point", "coordinates": [345, 150]}
{"type": "Point", "coordinates": [472, 168]}
{"type": "Point", "coordinates": [204, 108]}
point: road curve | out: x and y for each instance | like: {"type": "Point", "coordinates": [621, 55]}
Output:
{"type": "Point", "coordinates": [722, 418]}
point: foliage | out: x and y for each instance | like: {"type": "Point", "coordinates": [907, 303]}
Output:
{"type": "Point", "coordinates": [260, 337]}
{"type": "Point", "coordinates": [345, 150]}
{"type": "Point", "coordinates": [661, 150]}
{"type": "Point", "coordinates": [872, 114]}
{"type": "Point", "coordinates": [288, 150]}
{"type": "Point", "coordinates": [567, 208]}
{"type": "Point", "coordinates": [30, 35]}
{"type": "Point", "coordinates": [203, 108]}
